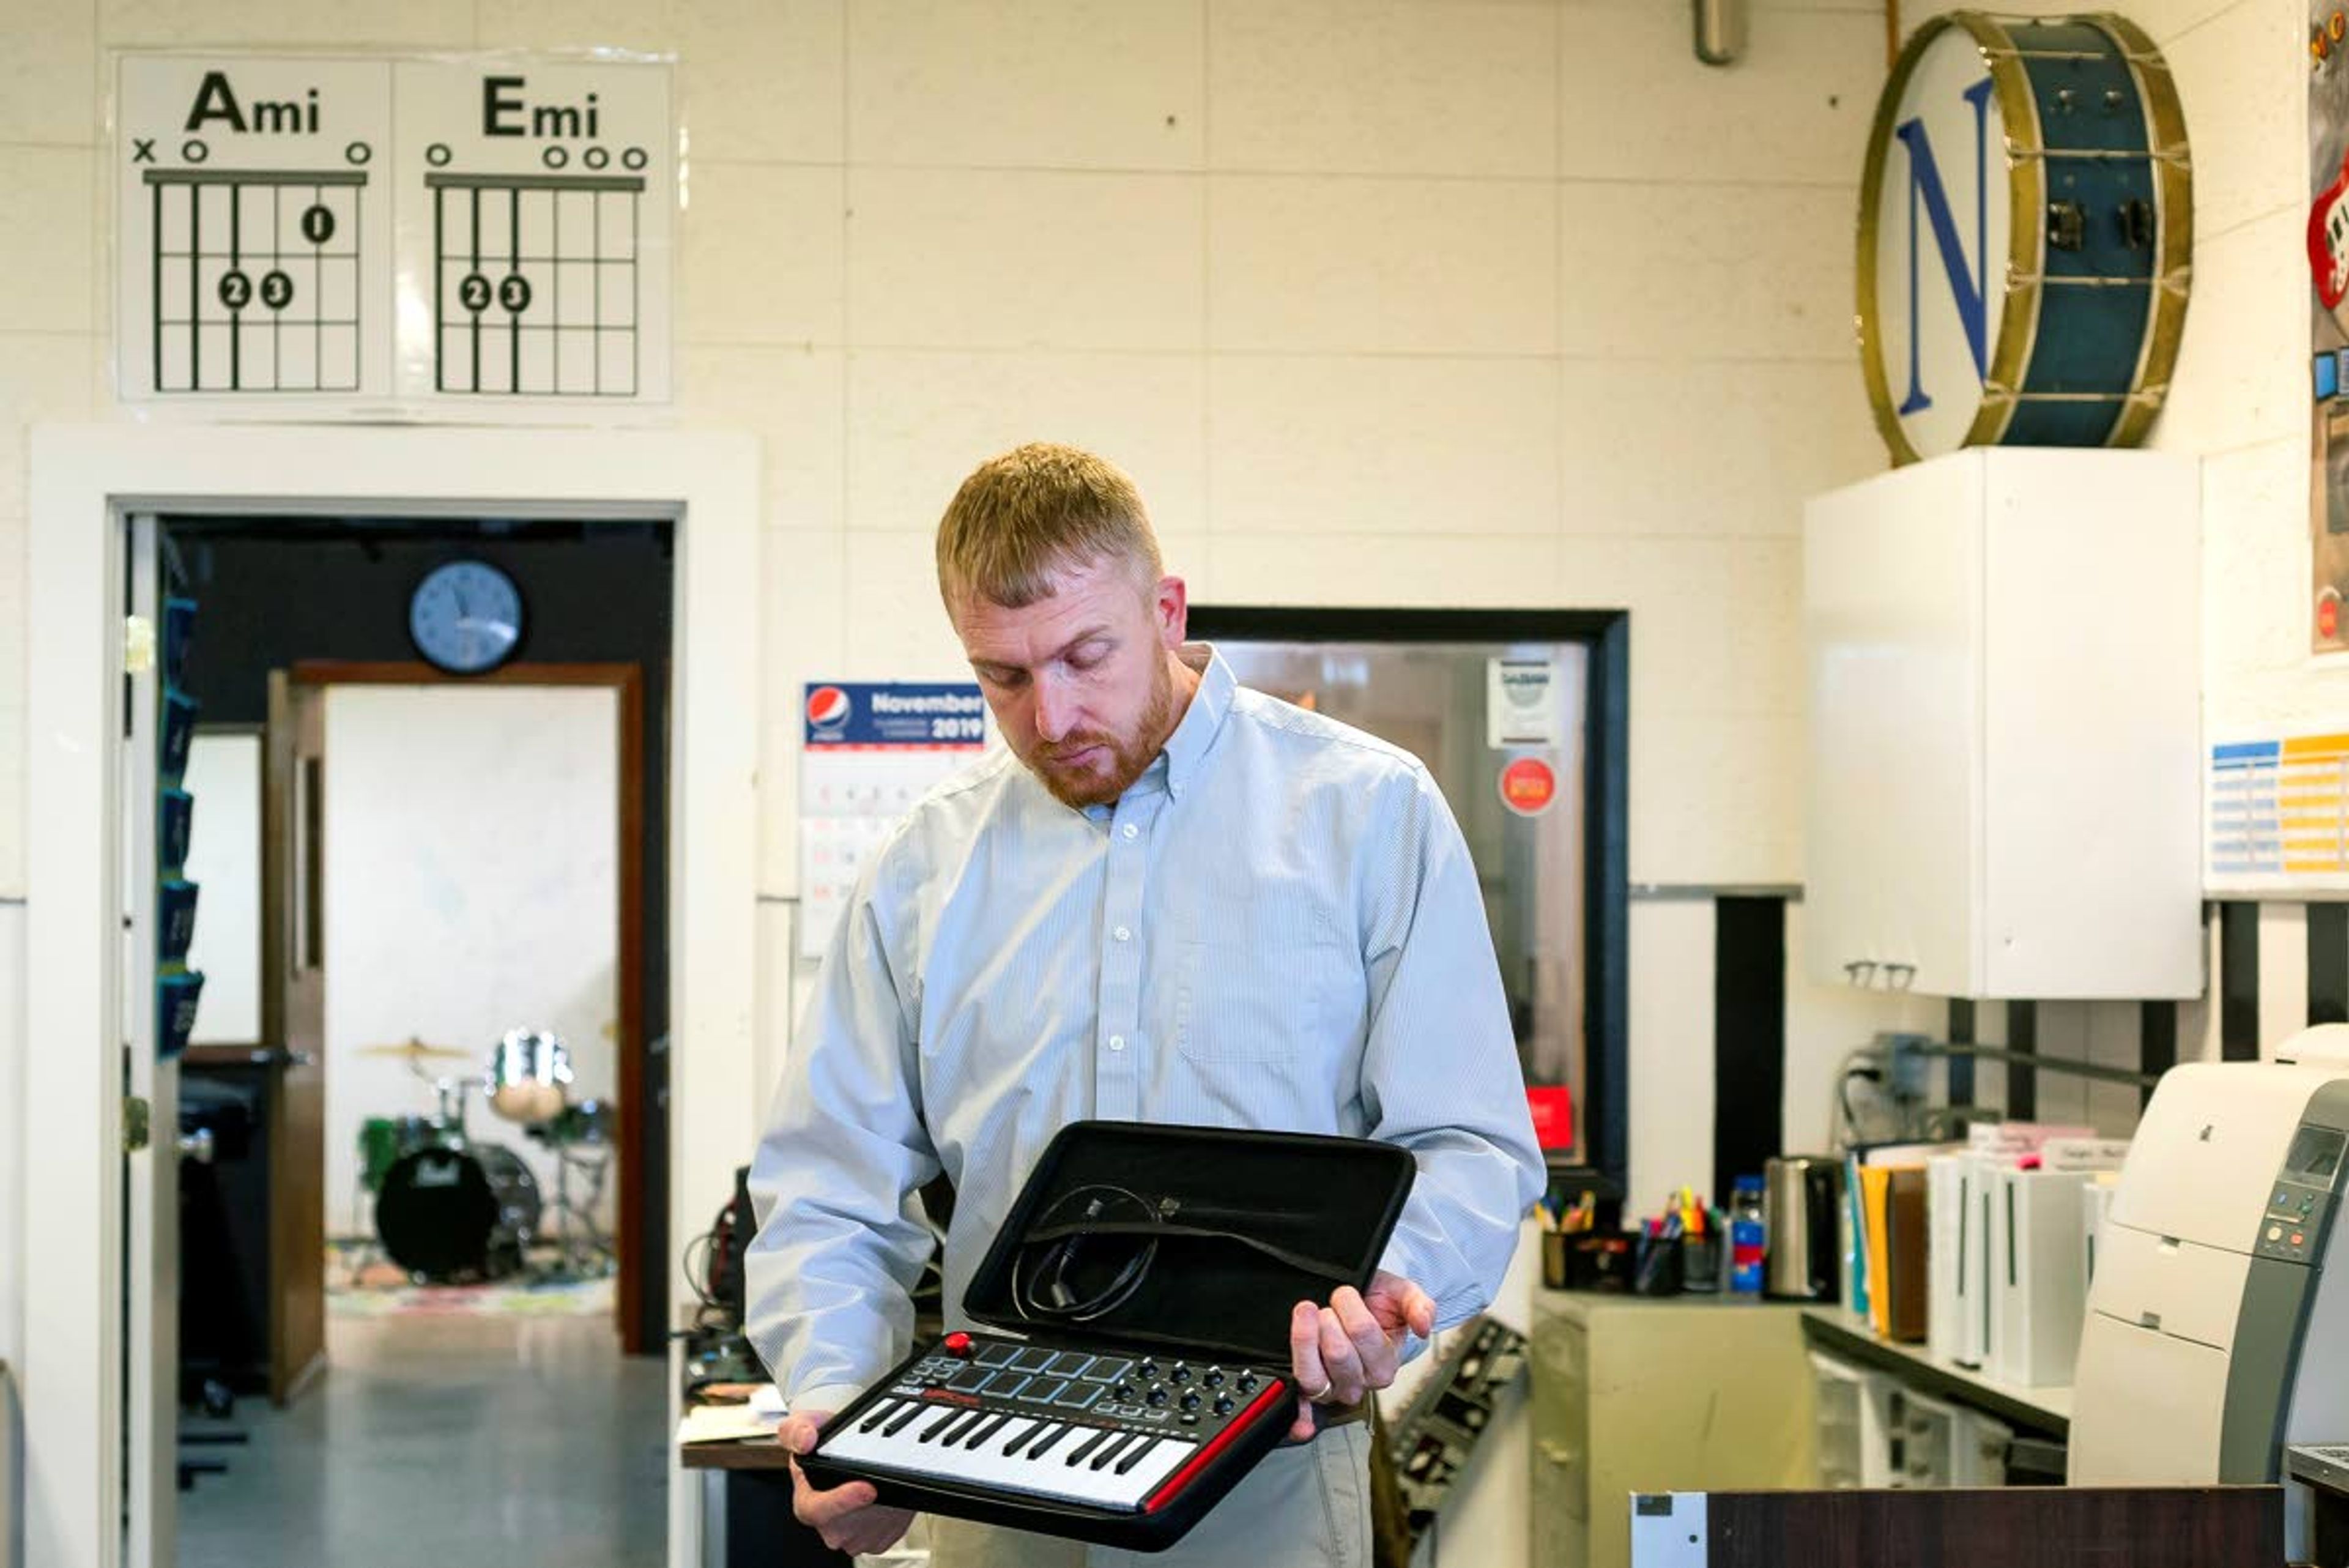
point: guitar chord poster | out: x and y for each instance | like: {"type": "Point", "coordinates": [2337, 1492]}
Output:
{"type": "Point", "coordinates": [453, 235]}
{"type": "Point", "coordinates": [254, 244]}
{"type": "Point", "coordinates": [547, 196]}
{"type": "Point", "coordinates": [535, 285]}
{"type": "Point", "coordinates": [256, 280]}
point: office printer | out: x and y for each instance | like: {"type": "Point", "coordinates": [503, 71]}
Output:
{"type": "Point", "coordinates": [2218, 1323]}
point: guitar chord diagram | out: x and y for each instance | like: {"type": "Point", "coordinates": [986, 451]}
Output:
{"type": "Point", "coordinates": [536, 286]}
{"type": "Point", "coordinates": [255, 285]}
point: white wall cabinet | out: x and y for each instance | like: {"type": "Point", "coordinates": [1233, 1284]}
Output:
{"type": "Point", "coordinates": [2005, 764]}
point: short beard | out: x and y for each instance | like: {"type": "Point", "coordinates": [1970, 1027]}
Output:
{"type": "Point", "coordinates": [1132, 755]}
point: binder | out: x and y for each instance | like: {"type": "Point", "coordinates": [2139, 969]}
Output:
{"type": "Point", "coordinates": [1855, 1259]}
{"type": "Point", "coordinates": [1948, 1232]}
{"type": "Point", "coordinates": [1868, 1252]}
{"type": "Point", "coordinates": [1875, 1186]}
{"type": "Point", "coordinates": [1907, 1252]}
{"type": "Point", "coordinates": [1977, 1177]}
{"type": "Point", "coordinates": [2039, 1275]}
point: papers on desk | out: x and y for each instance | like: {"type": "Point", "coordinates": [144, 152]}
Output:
{"type": "Point", "coordinates": [756, 1417]}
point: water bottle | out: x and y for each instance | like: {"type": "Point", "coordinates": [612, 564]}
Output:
{"type": "Point", "coordinates": [1748, 1241]}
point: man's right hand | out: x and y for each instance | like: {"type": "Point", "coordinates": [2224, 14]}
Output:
{"type": "Point", "coordinates": [848, 1516]}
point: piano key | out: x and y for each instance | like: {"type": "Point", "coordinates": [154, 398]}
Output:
{"type": "Point", "coordinates": [1054, 1436]}
{"type": "Point", "coordinates": [986, 1429]}
{"type": "Point", "coordinates": [1023, 1475]}
{"type": "Point", "coordinates": [1082, 1450]}
{"type": "Point", "coordinates": [880, 1413]}
{"type": "Point", "coordinates": [1025, 1429]}
{"type": "Point", "coordinates": [905, 1417]}
{"type": "Point", "coordinates": [964, 1428]}
{"type": "Point", "coordinates": [954, 1413]}
{"type": "Point", "coordinates": [1133, 1455]}
{"type": "Point", "coordinates": [1110, 1450]}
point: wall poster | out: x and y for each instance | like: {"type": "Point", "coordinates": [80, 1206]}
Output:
{"type": "Point", "coordinates": [869, 751]}
{"type": "Point", "coordinates": [455, 237]}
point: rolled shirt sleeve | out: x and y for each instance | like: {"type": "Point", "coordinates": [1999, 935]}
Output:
{"type": "Point", "coordinates": [1439, 1070]}
{"type": "Point", "coordinates": [830, 1275]}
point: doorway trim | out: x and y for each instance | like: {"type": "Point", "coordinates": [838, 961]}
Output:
{"type": "Point", "coordinates": [85, 480]}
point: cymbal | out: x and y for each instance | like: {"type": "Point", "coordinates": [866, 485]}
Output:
{"type": "Point", "coordinates": [415, 1049]}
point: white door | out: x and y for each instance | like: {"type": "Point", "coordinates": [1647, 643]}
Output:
{"type": "Point", "coordinates": [150, 1175]}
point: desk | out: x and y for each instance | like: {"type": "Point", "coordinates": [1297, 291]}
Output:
{"type": "Point", "coordinates": [2027, 1527]}
{"type": "Point", "coordinates": [2320, 1470]}
{"type": "Point", "coordinates": [755, 1527]}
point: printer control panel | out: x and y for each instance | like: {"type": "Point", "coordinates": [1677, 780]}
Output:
{"type": "Point", "coordinates": [2293, 1228]}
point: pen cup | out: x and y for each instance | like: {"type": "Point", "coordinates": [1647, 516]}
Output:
{"type": "Point", "coordinates": [1657, 1269]}
{"type": "Point", "coordinates": [1555, 1253]}
{"type": "Point", "coordinates": [1587, 1260]}
{"type": "Point", "coordinates": [1700, 1264]}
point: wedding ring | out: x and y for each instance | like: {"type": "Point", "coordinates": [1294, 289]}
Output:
{"type": "Point", "coordinates": [1314, 1396]}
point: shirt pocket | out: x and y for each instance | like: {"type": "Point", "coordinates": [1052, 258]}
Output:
{"type": "Point", "coordinates": [1266, 978]}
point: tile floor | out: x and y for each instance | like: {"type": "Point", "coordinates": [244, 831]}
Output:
{"type": "Point", "coordinates": [461, 1442]}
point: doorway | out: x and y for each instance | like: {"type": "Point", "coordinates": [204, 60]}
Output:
{"type": "Point", "coordinates": [482, 917]}
{"type": "Point", "coordinates": [445, 1109]}
{"type": "Point", "coordinates": [97, 1480]}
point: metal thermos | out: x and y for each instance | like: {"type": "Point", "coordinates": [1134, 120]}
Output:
{"type": "Point", "coordinates": [1799, 1195]}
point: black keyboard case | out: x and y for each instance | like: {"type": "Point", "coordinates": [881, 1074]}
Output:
{"type": "Point", "coordinates": [1249, 1224]}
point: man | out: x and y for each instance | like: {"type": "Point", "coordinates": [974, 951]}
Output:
{"type": "Point", "coordinates": [1170, 899]}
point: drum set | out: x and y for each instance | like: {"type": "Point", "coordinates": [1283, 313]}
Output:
{"type": "Point", "coordinates": [453, 1209]}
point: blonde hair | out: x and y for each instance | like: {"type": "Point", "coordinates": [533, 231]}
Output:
{"type": "Point", "coordinates": [1036, 511]}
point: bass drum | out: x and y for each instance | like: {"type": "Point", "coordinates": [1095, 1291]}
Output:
{"type": "Point", "coordinates": [450, 1215]}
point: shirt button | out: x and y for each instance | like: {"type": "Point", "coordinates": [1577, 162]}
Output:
{"type": "Point", "coordinates": [1117, 1042]}
{"type": "Point", "coordinates": [1132, 831]}
{"type": "Point", "coordinates": [1121, 934]}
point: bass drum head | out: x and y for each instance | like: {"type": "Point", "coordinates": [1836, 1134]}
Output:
{"type": "Point", "coordinates": [436, 1213]}
{"type": "Point", "coordinates": [516, 1191]}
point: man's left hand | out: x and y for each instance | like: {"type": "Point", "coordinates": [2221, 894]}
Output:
{"type": "Point", "coordinates": [1341, 1352]}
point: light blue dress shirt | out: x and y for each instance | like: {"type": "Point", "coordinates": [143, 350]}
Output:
{"type": "Point", "coordinates": [1278, 926]}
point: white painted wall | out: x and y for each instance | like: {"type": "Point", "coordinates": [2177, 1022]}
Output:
{"type": "Point", "coordinates": [224, 863]}
{"type": "Point", "coordinates": [471, 887]}
{"type": "Point", "coordinates": [1380, 303]}
{"type": "Point", "coordinates": [1429, 302]}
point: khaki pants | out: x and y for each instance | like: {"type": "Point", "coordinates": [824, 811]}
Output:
{"type": "Point", "coordinates": [1303, 1507]}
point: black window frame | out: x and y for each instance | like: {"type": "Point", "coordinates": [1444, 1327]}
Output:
{"type": "Point", "coordinates": [1605, 636]}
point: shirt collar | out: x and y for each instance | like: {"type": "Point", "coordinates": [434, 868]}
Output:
{"type": "Point", "coordinates": [1188, 746]}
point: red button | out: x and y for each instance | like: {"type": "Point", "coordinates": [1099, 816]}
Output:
{"type": "Point", "coordinates": [958, 1343]}
{"type": "Point", "coordinates": [2297, 1238]}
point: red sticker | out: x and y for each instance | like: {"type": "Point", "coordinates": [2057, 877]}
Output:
{"type": "Point", "coordinates": [1529, 785]}
{"type": "Point", "coordinates": [1552, 1105]}
{"type": "Point", "coordinates": [2328, 616]}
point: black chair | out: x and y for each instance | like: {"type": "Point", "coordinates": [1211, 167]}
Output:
{"type": "Point", "coordinates": [217, 1120]}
